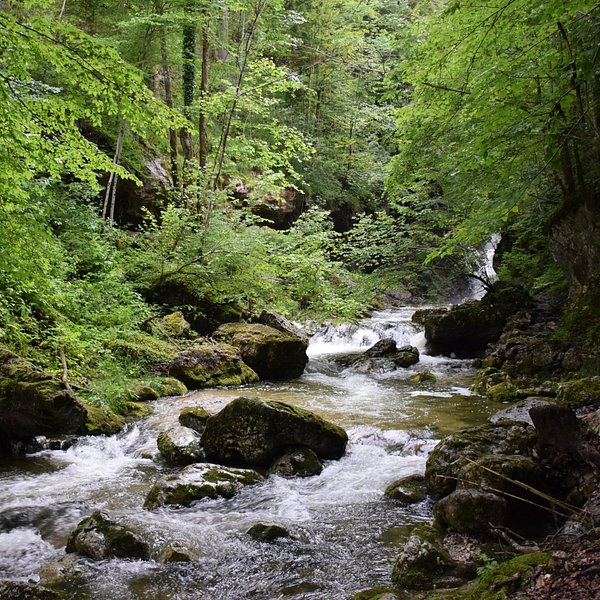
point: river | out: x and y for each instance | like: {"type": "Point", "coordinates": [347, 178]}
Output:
{"type": "Point", "coordinates": [344, 531]}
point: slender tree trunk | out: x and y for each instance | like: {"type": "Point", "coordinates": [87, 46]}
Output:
{"type": "Point", "coordinates": [203, 121]}
{"type": "Point", "coordinates": [166, 76]}
{"type": "Point", "coordinates": [242, 60]}
{"type": "Point", "coordinates": [110, 195]}
{"type": "Point", "coordinates": [189, 76]}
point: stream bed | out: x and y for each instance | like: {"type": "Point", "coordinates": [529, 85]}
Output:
{"type": "Point", "coordinates": [344, 531]}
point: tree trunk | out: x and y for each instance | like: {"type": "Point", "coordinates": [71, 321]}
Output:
{"type": "Point", "coordinates": [203, 121]}
{"type": "Point", "coordinates": [189, 76]}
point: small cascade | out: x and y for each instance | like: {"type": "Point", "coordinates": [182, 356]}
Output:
{"type": "Point", "coordinates": [346, 338]}
{"type": "Point", "coordinates": [484, 270]}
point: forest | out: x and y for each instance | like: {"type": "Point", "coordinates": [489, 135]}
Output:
{"type": "Point", "coordinates": [170, 169]}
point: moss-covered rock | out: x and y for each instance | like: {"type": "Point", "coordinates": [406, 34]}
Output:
{"type": "Point", "coordinates": [273, 354]}
{"type": "Point", "coordinates": [65, 574]}
{"type": "Point", "coordinates": [180, 446]}
{"type": "Point", "coordinates": [199, 481]}
{"type": "Point", "coordinates": [502, 392]}
{"type": "Point", "coordinates": [101, 422]}
{"type": "Point", "coordinates": [175, 325]}
{"type": "Point", "coordinates": [267, 533]}
{"type": "Point", "coordinates": [579, 392]}
{"type": "Point", "coordinates": [302, 462]}
{"type": "Point", "coordinates": [194, 417]}
{"type": "Point", "coordinates": [424, 377]}
{"type": "Point", "coordinates": [409, 489]}
{"type": "Point", "coordinates": [253, 432]}
{"type": "Point", "coordinates": [449, 457]}
{"type": "Point", "coordinates": [33, 402]}
{"type": "Point", "coordinates": [420, 563]}
{"type": "Point", "coordinates": [210, 365]}
{"type": "Point", "coordinates": [20, 590]}
{"type": "Point", "coordinates": [470, 511]}
{"type": "Point", "coordinates": [99, 537]}
{"type": "Point", "coordinates": [169, 386]}
{"type": "Point", "coordinates": [142, 393]}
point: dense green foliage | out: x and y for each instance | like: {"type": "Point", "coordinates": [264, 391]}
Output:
{"type": "Point", "coordinates": [409, 132]}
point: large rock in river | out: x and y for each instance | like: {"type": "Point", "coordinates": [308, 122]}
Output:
{"type": "Point", "coordinates": [199, 481]}
{"type": "Point", "coordinates": [465, 330]}
{"type": "Point", "coordinates": [253, 432]}
{"type": "Point", "coordinates": [33, 402]}
{"type": "Point", "coordinates": [99, 537]}
{"type": "Point", "coordinates": [273, 354]}
{"type": "Point", "coordinates": [180, 446]}
{"type": "Point", "coordinates": [451, 456]}
{"type": "Point", "coordinates": [210, 365]}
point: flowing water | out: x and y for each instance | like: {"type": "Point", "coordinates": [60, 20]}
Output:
{"type": "Point", "coordinates": [344, 531]}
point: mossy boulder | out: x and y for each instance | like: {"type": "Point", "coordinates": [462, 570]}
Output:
{"type": "Point", "coordinates": [465, 330]}
{"type": "Point", "coordinates": [210, 365]}
{"type": "Point", "coordinates": [470, 511]}
{"type": "Point", "coordinates": [99, 537]}
{"type": "Point", "coordinates": [302, 462]}
{"type": "Point", "coordinates": [142, 393]}
{"type": "Point", "coordinates": [170, 386]}
{"type": "Point", "coordinates": [194, 417]}
{"type": "Point", "coordinates": [449, 457]}
{"type": "Point", "coordinates": [102, 422]}
{"type": "Point", "coordinates": [424, 377]}
{"type": "Point", "coordinates": [267, 533]}
{"type": "Point", "coordinates": [180, 446]}
{"type": "Point", "coordinates": [254, 433]}
{"type": "Point", "coordinates": [33, 402]}
{"type": "Point", "coordinates": [409, 489]}
{"type": "Point", "coordinates": [279, 322]}
{"type": "Point", "coordinates": [272, 353]}
{"type": "Point", "coordinates": [579, 392]}
{"type": "Point", "coordinates": [20, 590]}
{"type": "Point", "coordinates": [175, 325]}
{"type": "Point", "coordinates": [199, 481]}
{"type": "Point", "coordinates": [420, 564]}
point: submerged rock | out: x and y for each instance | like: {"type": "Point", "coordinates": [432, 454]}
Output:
{"type": "Point", "coordinates": [99, 537]}
{"type": "Point", "coordinates": [302, 462]}
{"type": "Point", "coordinates": [199, 481]}
{"type": "Point", "coordinates": [408, 489]}
{"type": "Point", "coordinates": [33, 402]}
{"type": "Point", "coordinates": [272, 353]}
{"type": "Point", "coordinates": [267, 533]}
{"type": "Point", "coordinates": [253, 432]}
{"type": "Point", "coordinates": [210, 365]}
{"type": "Point", "coordinates": [19, 590]}
{"type": "Point", "coordinates": [180, 446]}
{"type": "Point", "coordinates": [177, 552]}
{"type": "Point", "coordinates": [380, 593]}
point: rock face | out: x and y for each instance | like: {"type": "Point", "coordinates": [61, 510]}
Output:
{"type": "Point", "coordinates": [199, 481]}
{"type": "Point", "coordinates": [180, 446]}
{"type": "Point", "coordinates": [449, 458]}
{"type": "Point", "coordinates": [252, 432]}
{"type": "Point", "coordinates": [466, 330]}
{"type": "Point", "coordinates": [99, 537]}
{"type": "Point", "coordinates": [35, 403]}
{"type": "Point", "coordinates": [273, 354]}
{"type": "Point", "coordinates": [210, 365]}
{"type": "Point", "coordinates": [302, 462]}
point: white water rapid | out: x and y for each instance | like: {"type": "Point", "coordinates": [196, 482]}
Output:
{"type": "Point", "coordinates": [344, 531]}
